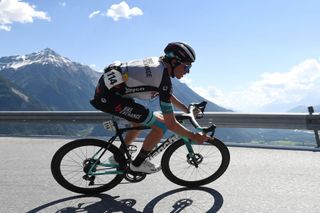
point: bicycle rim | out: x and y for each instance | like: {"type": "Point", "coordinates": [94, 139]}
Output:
{"type": "Point", "coordinates": [212, 161]}
{"type": "Point", "coordinates": [71, 163]}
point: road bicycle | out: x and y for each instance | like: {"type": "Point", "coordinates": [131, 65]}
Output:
{"type": "Point", "coordinates": [84, 165]}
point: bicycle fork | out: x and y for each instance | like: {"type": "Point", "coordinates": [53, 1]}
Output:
{"type": "Point", "coordinates": [192, 158]}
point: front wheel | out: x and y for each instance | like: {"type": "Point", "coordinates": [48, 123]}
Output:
{"type": "Point", "coordinates": [208, 162]}
{"type": "Point", "coordinates": [83, 166]}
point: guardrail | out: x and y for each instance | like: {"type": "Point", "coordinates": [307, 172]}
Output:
{"type": "Point", "coordinates": [222, 119]}
{"type": "Point", "coordinates": [302, 121]}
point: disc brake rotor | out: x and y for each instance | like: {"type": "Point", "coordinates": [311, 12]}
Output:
{"type": "Point", "coordinates": [194, 160]}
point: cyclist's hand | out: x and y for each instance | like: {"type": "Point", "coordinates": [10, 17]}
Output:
{"type": "Point", "coordinates": [200, 138]}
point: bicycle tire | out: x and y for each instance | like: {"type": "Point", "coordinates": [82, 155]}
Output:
{"type": "Point", "coordinates": [62, 156]}
{"type": "Point", "coordinates": [176, 155]}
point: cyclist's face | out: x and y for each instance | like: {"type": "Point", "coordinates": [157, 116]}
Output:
{"type": "Point", "coordinates": [182, 69]}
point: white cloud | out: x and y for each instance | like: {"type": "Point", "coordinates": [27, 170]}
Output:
{"type": "Point", "coordinates": [94, 13]}
{"type": "Point", "coordinates": [299, 85]}
{"type": "Point", "coordinates": [5, 28]}
{"type": "Point", "coordinates": [122, 10]}
{"type": "Point", "coordinates": [213, 94]}
{"type": "Point", "coordinates": [18, 11]}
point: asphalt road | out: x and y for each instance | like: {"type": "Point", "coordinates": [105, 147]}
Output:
{"type": "Point", "coordinates": [257, 180]}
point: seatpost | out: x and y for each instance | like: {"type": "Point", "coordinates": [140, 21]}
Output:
{"type": "Point", "coordinates": [316, 134]}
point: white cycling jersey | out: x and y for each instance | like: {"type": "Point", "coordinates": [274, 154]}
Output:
{"type": "Point", "coordinates": [144, 79]}
{"type": "Point", "coordinates": [140, 75]}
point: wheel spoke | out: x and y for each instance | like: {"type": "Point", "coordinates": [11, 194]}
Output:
{"type": "Point", "coordinates": [207, 163]}
{"type": "Point", "coordinates": [77, 158]}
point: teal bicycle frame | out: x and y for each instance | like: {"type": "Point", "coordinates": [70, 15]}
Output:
{"type": "Point", "coordinates": [113, 126]}
{"type": "Point", "coordinates": [172, 139]}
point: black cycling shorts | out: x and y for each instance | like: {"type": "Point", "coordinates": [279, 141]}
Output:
{"type": "Point", "coordinates": [120, 106]}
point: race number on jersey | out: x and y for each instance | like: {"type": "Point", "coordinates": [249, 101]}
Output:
{"type": "Point", "coordinates": [112, 78]}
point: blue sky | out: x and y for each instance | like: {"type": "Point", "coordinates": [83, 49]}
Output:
{"type": "Point", "coordinates": [251, 55]}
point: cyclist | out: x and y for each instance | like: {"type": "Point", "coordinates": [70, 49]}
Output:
{"type": "Point", "coordinates": [144, 79]}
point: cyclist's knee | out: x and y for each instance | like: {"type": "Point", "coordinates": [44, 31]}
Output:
{"type": "Point", "coordinates": [156, 123]}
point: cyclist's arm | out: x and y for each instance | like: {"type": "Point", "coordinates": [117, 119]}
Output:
{"type": "Point", "coordinates": [177, 103]}
{"type": "Point", "coordinates": [176, 127]}
{"type": "Point", "coordinates": [165, 98]}
{"type": "Point", "coordinates": [173, 125]}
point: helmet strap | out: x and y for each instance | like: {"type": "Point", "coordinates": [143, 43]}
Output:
{"type": "Point", "coordinates": [172, 71]}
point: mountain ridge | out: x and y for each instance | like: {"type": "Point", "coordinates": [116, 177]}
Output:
{"type": "Point", "coordinates": [44, 56]}
{"type": "Point", "coordinates": [55, 80]}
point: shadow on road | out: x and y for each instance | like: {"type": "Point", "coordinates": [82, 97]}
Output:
{"type": "Point", "coordinates": [91, 204]}
{"type": "Point", "coordinates": [200, 199]}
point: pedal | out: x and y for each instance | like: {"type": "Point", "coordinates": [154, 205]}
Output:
{"type": "Point", "coordinates": [108, 125]}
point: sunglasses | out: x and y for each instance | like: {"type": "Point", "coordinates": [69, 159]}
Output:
{"type": "Point", "coordinates": [187, 67]}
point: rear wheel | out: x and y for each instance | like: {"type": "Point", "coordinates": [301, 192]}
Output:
{"type": "Point", "coordinates": [208, 163]}
{"type": "Point", "coordinates": [76, 166]}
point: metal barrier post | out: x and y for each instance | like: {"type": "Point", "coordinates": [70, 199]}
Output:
{"type": "Point", "coordinates": [316, 134]}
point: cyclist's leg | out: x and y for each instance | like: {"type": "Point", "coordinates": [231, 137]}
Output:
{"type": "Point", "coordinates": [122, 107]}
{"type": "Point", "coordinates": [134, 112]}
{"type": "Point", "coordinates": [158, 128]}
{"type": "Point", "coordinates": [132, 135]}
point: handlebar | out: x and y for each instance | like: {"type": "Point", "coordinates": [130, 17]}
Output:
{"type": "Point", "coordinates": [190, 116]}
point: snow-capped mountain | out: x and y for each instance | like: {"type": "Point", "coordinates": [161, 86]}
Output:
{"type": "Point", "coordinates": [44, 81]}
{"type": "Point", "coordinates": [46, 56]}
{"type": "Point", "coordinates": [54, 80]}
